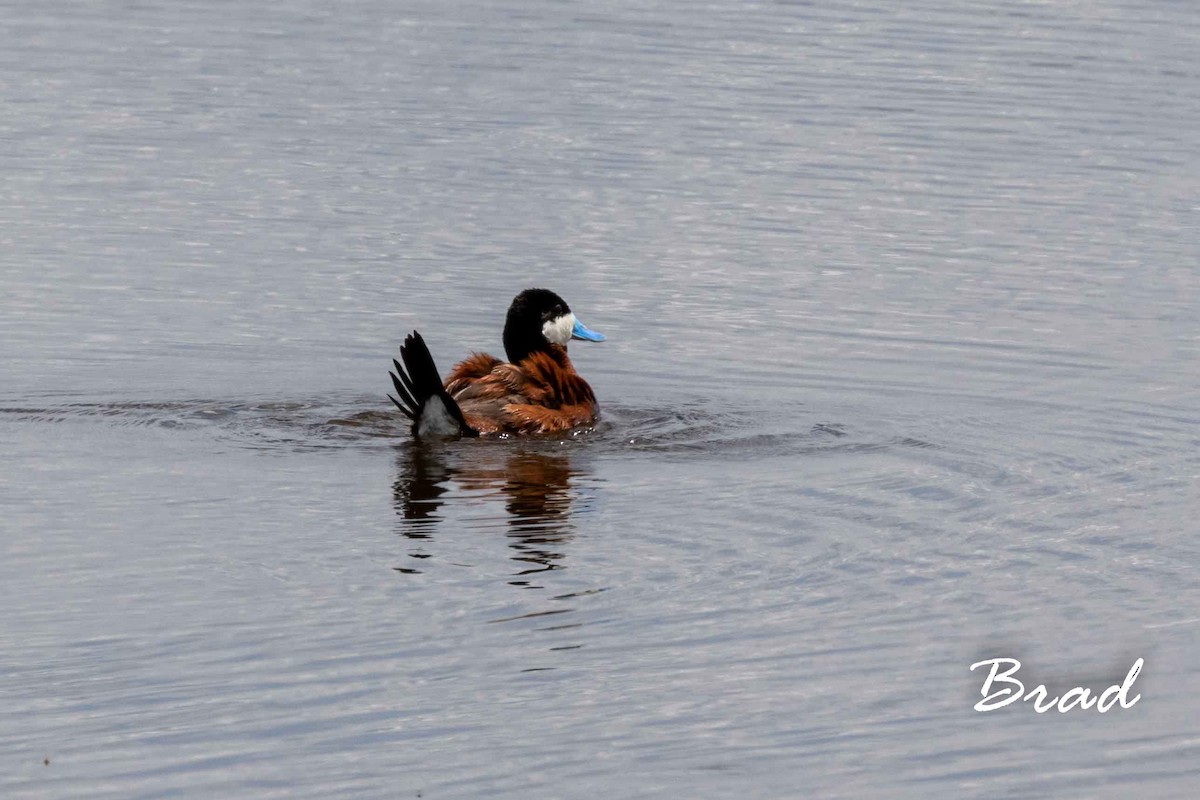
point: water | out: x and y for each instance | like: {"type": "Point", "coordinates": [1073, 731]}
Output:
{"type": "Point", "coordinates": [901, 375]}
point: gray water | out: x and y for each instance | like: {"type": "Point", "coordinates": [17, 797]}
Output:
{"type": "Point", "coordinates": [901, 375]}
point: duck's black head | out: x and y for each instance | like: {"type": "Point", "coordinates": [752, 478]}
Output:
{"type": "Point", "coordinates": [538, 318]}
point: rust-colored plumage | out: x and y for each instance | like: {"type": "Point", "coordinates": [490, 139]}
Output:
{"type": "Point", "coordinates": [541, 394]}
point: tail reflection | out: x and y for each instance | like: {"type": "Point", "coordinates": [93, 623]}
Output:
{"type": "Point", "coordinates": [536, 486]}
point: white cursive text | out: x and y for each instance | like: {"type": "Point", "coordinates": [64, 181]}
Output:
{"type": "Point", "coordinates": [1012, 690]}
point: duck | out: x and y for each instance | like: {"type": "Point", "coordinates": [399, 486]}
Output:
{"type": "Point", "coordinates": [536, 391]}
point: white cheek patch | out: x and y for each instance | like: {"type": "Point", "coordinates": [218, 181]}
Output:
{"type": "Point", "coordinates": [558, 330]}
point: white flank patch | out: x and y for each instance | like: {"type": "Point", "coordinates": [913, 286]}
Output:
{"type": "Point", "coordinates": [435, 420]}
{"type": "Point", "coordinates": [558, 330]}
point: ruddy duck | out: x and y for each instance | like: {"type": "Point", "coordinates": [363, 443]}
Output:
{"type": "Point", "coordinates": [536, 391]}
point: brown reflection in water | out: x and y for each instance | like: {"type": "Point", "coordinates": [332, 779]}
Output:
{"type": "Point", "coordinates": [536, 487]}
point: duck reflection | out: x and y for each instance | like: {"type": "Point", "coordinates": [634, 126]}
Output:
{"type": "Point", "coordinates": [535, 484]}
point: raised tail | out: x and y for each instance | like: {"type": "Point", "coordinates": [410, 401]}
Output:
{"type": "Point", "coordinates": [420, 395]}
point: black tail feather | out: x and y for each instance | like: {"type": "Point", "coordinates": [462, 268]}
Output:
{"type": "Point", "coordinates": [406, 403]}
{"type": "Point", "coordinates": [416, 383]}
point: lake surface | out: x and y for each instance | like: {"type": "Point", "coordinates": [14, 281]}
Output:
{"type": "Point", "coordinates": [901, 375]}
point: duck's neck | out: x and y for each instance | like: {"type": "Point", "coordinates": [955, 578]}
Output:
{"type": "Point", "coordinates": [559, 353]}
